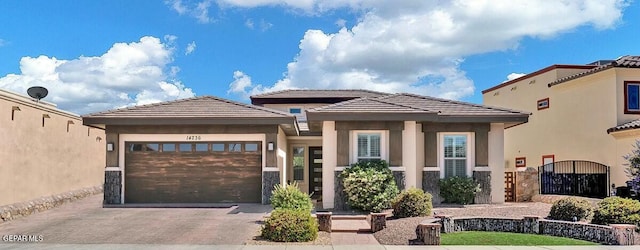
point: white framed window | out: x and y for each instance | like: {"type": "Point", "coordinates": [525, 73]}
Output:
{"type": "Point", "coordinates": [369, 145]}
{"type": "Point", "coordinates": [295, 111]}
{"type": "Point", "coordinates": [456, 154]}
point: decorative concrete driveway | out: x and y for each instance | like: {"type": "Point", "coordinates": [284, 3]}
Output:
{"type": "Point", "coordinates": [86, 222]}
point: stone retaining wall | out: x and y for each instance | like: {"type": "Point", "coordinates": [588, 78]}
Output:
{"type": "Point", "coordinates": [14, 211]}
{"type": "Point", "coordinates": [619, 234]}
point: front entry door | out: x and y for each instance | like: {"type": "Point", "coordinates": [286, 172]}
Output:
{"type": "Point", "coordinates": [315, 172]}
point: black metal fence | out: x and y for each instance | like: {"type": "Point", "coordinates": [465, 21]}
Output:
{"type": "Point", "coordinates": [578, 178]}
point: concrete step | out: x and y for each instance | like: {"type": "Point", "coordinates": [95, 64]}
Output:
{"type": "Point", "coordinates": [353, 225]}
{"type": "Point", "coordinates": [349, 217]}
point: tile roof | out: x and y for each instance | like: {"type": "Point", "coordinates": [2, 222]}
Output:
{"type": "Point", "coordinates": [196, 107]}
{"type": "Point", "coordinates": [319, 93]}
{"type": "Point", "coordinates": [449, 107]}
{"type": "Point", "coordinates": [625, 126]}
{"type": "Point", "coordinates": [367, 105]}
{"type": "Point", "coordinates": [622, 62]}
{"type": "Point", "coordinates": [410, 107]}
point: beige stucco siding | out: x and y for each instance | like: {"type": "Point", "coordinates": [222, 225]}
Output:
{"type": "Point", "coordinates": [282, 150]}
{"type": "Point", "coordinates": [625, 141]}
{"type": "Point", "coordinates": [42, 161]}
{"type": "Point", "coordinates": [575, 124]}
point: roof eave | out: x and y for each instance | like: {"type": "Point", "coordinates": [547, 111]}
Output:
{"type": "Point", "coordinates": [359, 116]}
{"type": "Point", "coordinates": [99, 121]}
{"type": "Point", "coordinates": [481, 119]}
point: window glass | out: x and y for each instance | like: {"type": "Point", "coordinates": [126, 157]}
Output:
{"type": "Point", "coordinates": [134, 147]}
{"type": "Point", "coordinates": [235, 147]}
{"type": "Point", "coordinates": [202, 147]}
{"type": "Point", "coordinates": [184, 147]}
{"type": "Point", "coordinates": [168, 147]}
{"type": "Point", "coordinates": [295, 110]}
{"type": "Point", "coordinates": [217, 147]}
{"type": "Point", "coordinates": [152, 147]}
{"type": "Point", "coordinates": [298, 163]}
{"type": "Point", "coordinates": [455, 155]}
{"type": "Point", "coordinates": [633, 97]}
{"type": "Point", "coordinates": [369, 146]}
{"type": "Point", "coordinates": [250, 147]}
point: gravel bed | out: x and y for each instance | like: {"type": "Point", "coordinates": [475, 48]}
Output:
{"type": "Point", "coordinates": [402, 231]}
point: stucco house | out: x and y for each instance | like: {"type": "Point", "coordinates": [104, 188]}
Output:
{"type": "Point", "coordinates": [579, 112]}
{"type": "Point", "coordinates": [47, 156]}
{"type": "Point", "coordinates": [208, 149]}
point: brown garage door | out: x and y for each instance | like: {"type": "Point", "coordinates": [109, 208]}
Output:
{"type": "Point", "coordinates": [188, 172]}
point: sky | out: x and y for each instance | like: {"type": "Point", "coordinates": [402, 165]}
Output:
{"type": "Point", "coordinates": [100, 55]}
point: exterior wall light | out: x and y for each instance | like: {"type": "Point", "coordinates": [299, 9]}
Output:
{"type": "Point", "coordinates": [270, 146]}
{"type": "Point", "coordinates": [44, 116]}
{"type": "Point", "coordinates": [110, 147]}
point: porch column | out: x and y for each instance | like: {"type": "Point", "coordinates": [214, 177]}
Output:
{"type": "Point", "coordinates": [409, 154]}
{"type": "Point", "coordinates": [329, 162]}
{"type": "Point", "coordinates": [496, 162]}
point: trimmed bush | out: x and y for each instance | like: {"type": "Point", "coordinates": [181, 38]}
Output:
{"type": "Point", "coordinates": [369, 186]}
{"type": "Point", "coordinates": [568, 208]}
{"type": "Point", "coordinates": [290, 197]}
{"type": "Point", "coordinates": [412, 202]}
{"type": "Point", "coordinates": [616, 210]}
{"type": "Point", "coordinates": [288, 225]}
{"type": "Point", "coordinates": [459, 190]}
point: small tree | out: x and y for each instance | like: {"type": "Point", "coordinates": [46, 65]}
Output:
{"type": "Point", "coordinates": [633, 168]}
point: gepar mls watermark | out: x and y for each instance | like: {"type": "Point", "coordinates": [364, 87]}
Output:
{"type": "Point", "coordinates": [16, 238]}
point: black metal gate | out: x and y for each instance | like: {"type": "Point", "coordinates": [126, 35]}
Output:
{"type": "Point", "coordinates": [578, 178]}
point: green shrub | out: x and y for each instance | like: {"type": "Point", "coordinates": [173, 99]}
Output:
{"type": "Point", "coordinates": [616, 210]}
{"type": "Point", "coordinates": [369, 186]}
{"type": "Point", "coordinates": [412, 203]}
{"type": "Point", "coordinates": [290, 197]}
{"type": "Point", "coordinates": [568, 208]}
{"type": "Point", "coordinates": [458, 190]}
{"type": "Point", "coordinates": [288, 225]}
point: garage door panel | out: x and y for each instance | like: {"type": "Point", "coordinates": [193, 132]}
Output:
{"type": "Point", "coordinates": [192, 177]}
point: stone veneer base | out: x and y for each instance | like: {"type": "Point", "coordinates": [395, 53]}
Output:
{"type": "Point", "coordinates": [18, 210]}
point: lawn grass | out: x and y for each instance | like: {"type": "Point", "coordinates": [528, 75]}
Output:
{"type": "Point", "coordinates": [507, 239]}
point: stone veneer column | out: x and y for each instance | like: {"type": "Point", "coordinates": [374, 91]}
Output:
{"type": "Point", "coordinates": [340, 198]}
{"type": "Point", "coordinates": [112, 187]}
{"type": "Point", "coordinates": [400, 178]}
{"type": "Point", "coordinates": [484, 179]}
{"type": "Point", "coordinates": [430, 184]}
{"type": "Point", "coordinates": [269, 180]}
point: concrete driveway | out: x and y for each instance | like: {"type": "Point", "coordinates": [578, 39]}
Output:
{"type": "Point", "coordinates": [86, 222]}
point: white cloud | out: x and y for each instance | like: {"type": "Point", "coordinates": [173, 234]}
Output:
{"type": "Point", "coordinates": [195, 9]}
{"type": "Point", "coordinates": [514, 76]}
{"type": "Point", "coordinates": [264, 25]}
{"type": "Point", "coordinates": [249, 23]}
{"type": "Point", "coordinates": [127, 74]}
{"type": "Point", "coordinates": [418, 46]}
{"type": "Point", "coordinates": [191, 47]}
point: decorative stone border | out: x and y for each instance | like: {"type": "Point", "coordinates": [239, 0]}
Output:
{"type": "Point", "coordinates": [17, 210]}
{"type": "Point", "coordinates": [615, 234]}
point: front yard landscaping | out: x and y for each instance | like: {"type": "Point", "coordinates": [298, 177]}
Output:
{"type": "Point", "coordinates": [507, 239]}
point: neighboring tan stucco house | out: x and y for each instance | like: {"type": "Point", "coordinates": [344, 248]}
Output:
{"type": "Point", "coordinates": [47, 156]}
{"type": "Point", "coordinates": [208, 149]}
{"type": "Point", "coordinates": [579, 112]}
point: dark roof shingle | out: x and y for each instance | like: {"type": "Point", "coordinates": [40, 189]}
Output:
{"type": "Point", "coordinates": [448, 107]}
